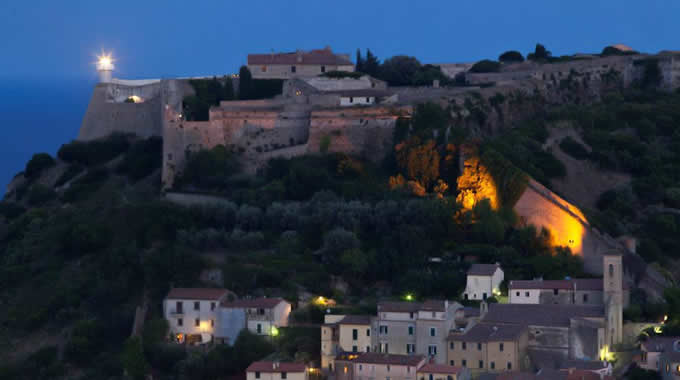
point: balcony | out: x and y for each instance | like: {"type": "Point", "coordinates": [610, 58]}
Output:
{"type": "Point", "coordinates": [174, 312]}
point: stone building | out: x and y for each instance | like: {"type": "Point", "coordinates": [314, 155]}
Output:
{"type": "Point", "coordinates": [345, 333]}
{"type": "Point", "coordinates": [432, 371]}
{"type": "Point", "coordinates": [483, 281]}
{"type": "Point", "coordinates": [489, 347]}
{"type": "Point", "coordinates": [192, 312]}
{"type": "Point", "coordinates": [263, 315]}
{"type": "Point", "coordinates": [297, 64]}
{"type": "Point", "coordinates": [270, 370]}
{"type": "Point", "coordinates": [577, 291]}
{"type": "Point", "coordinates": [373, 365]}
{"type": "Point", "coordinates": [662, 354]}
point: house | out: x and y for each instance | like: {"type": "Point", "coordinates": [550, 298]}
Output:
{"type": "Point", "coordinates": [578, 291]}
{"type": "Point", "coordinates": [431, 371]}
{"type": "Point", "coordinates": [662, 354]}
{"type": "Point", "coordinates": [483, 280]}
{"type": "Point", "coordinates": [408, 328]}
{"type": "Point", "coordinates": [488, 347]}
{"type": "Point", "coordinates": [192, 312]}
{"type": "Point", "coordinates": [263, 315]}
{"type": "Point", "coordinates": [374, 365]}
{"type": "Point", "coordinates": [270, 370]}
{"type": "Point", "coordinates": [669, 362]}
{"type": "Point", "coordinates": [345, 333]}
{"type": "Point", "coordinates": [297, 64]}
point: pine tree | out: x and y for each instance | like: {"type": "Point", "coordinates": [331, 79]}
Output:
{"type": "Point", "coordinates": [245, 83]}
{"type": "Point", "coordinates": [360, 63]}
{"type": "Point", "coordinates": [370, 65]}
{"type": "Point", "coordinates": [228, 89]}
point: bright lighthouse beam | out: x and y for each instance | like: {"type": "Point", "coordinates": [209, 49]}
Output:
{"type": "Point", "coordinates": [105, 67]}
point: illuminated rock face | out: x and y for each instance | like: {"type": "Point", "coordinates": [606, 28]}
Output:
{"type": "Point", "coordinates": [476, 184]}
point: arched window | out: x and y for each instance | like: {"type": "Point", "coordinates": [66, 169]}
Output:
{"type": "Point", "coordinates": [611, 270]}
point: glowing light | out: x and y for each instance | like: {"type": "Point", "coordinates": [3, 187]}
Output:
{"type": "Point", "coordinates": [274, 331]}
{"type": "Point", "coordinates": [496, 292]}
{"type": "Point", "coordinates": [409, 297]}
{"type": "Point", "coordinates": [665, 318]}
{"type": "Point", "coordinates": [606, 355]}
{"type": "Point", "coordinates": [658, 329]}
{"type": "Point", "coordinates": [476, 184]}
{"type": "Point", "coordinates": [105, 61]}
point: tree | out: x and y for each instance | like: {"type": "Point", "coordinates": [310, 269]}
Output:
{"type": "Point", "coordinates": [540, 54]}
{"type": "Point", "coordinates": [370, 65]}
{"type": "Point", "coordinates": [359, 66]}
{"type": "Point", "coordinates": [245, 83]}
{"type": "Point", "coordinates": [399, 70]}
{"type": "Point", "coordinates": [651, 76]}
{"type": "Point", "coordinates": [511, 56]}
{"type": "Point", "coordinates": [228, 89]}
{"type": "Point", "coordinates": [37, 164]}
{"type": "Point", "coordinates": [133, 359]}
{"type": "Point", "coordinates": [486, 66]}
{"type": "Point", "coordinates": [419, 161]}
{"type": "Point", "coordinates": [335, 243]}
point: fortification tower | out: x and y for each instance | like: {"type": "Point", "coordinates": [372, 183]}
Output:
{"type": "Point", "coordinates": [613, 298]}
{"type": "Point", "coordinates": [105, 68]}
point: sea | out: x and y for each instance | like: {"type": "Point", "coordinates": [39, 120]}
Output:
{"type": "Point", "coordinates": [38, 116]}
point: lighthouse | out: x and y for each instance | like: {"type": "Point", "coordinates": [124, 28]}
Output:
{"type": "Point", "coordinates": [105, 68]}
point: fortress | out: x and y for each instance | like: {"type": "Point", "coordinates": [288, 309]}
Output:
{"type": "Point", "coordinates": [357, 115]}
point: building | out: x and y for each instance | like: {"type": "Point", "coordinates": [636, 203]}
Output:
{"type": "Point", "coordinates": [408, 328]}
{"type": "Point", "coordinates": [652, 349]}
{"type": "Point", "coordinates": [483, 281]}
{"type": "Point", "coordinates": [192, 312]}
{"type": "Point", "coordinates": [577, 291]}
{"type": "Point", "coordinates": [669, 362]}
{"type": "Point", "coordinates": [297, 64]}
{"type": "Point", "coordinates": [432, 371]}
{"type": "Point", "coordinates": [268, 370]}
{"type": "Point", "coordinates": [374, 366]}
{"type": "Point", "coordinates": [345, 333]}
{"type": "Point", "coordinates": [263, 315]}
{"type": "Point", "coordinates": [489, 347]}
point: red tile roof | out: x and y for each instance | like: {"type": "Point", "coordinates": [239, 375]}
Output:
{"type": "Point", "coordinates": [439, 368]}
{"type": "Point", "coordinates": [482, 269]}
{"type": "Point", "coordinates": [540, 314]}
{"type": "Point", "coordinates": [313, 57]}
{"type": "Point", "coordinates": [487, 332]}
{"type": "Point", "coordinates": [378, 358]}
{"type": "Point", "coordinates": [433, 305]}
{"type": "Point", "coordinates": [267, 366]}
{"type": "Point", "coordinates": [253, 303]}
{"type": "Point", "coordinates": [197, 293]}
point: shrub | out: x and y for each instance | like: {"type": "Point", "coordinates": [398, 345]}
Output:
{"type": "Point", "coordinates": [39, 194]}
{"type": "Point", "coordinates": [37, 164]}
{"type": "Point", "coordinates": [511, 56]}
{"type": "Point", "coordinates": [574, 148]}
{"type": "Point", "coordinates": [209, 168]}
{"type": "Point", "coordinates": [399, 70]}
{"type": "Point", "coordinates": [11, 210]}
{"type": "Point", "coordinates": [486, 66]}
{"type": "Point", "coordinates": [325, 143]}
{"type": "Point", "coordinates": [540, 54]}
{"type": "Point", "coordinates": [142, 159]}
{"type": "Point", "coordinates": [72, 171]}
{"type": "Point", "coordinates": [94, 152]}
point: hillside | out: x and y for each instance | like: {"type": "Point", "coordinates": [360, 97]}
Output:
{"type": "Point", "coordinates": [87, 237]}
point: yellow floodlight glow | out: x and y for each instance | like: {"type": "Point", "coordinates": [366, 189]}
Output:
{"type": "Point", "coordinates": [409, 297]}
{"type": "Point", "coordinates": [274, 331]}
{"type": "Point", "coordinates": [658, 329]}
{"type": "Point", "coordinates": [665, 318]}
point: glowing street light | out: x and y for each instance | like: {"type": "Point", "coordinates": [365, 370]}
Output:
{"type": "Point", "coordinates": [274, 331]}
{"type": "Point", "coordinates": [409, 297]}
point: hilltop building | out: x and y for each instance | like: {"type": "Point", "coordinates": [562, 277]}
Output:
{"type": "Point", "coordinates": [483, 281]}
{"type": "Point", "coordinates": [192, 312]}
{"type": "Point", "coordinates": [263, 315]}
{"type": "Point", "coordinates": [273, 370]}
{"type": "Point", "coordinates": [345, 333]}
{"type": "Point", "coordinates": [298, 64]}
{"type": "Point", "coordinates": [373, 365]}
{"type": "Point", "coordinates": [577, 291]}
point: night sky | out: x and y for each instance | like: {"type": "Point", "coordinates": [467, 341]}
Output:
{"type": "Point", "coordinates": [49, 47]}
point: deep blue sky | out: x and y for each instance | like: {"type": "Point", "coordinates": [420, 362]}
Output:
{"type": "Point", "coordinates": [48, 47]}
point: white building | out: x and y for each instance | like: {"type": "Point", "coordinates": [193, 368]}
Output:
{"type": "Point", "coordinates": [297, 64]}
{"type": "Point", "coordinates": [263, 315]}
{"type": "Point", "coordinates": [267, 370]}
{"type": "Point", "coordinates": [373, 365]}
{"type": "Point", "coordinates": [483, 281]}
{"type": "Point", "coordinates": [192, 312]}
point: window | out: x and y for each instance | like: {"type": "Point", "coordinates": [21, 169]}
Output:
{"type": "Point", "coordinates": [481, 364]}
{"type": "Point", "coordinates": [368, 332]}
{"type": "Point", "coordinates": [355, 334]}
{"type": "Point", "coordinates": [464, 346]}
{"type": "Point", "coordinates": [263, 69]}
{"type": "Point", "coordinates": [517, 294]}
{"type": "Point", "coordinates": [212, 306]}
{"type": "Point", "coordinates": [410, 348]}
{"type": "Point", "coordinates": [433, 331]}
{"type": "Point", "coordinates": [492, 365]}
{"type": "Point", "coordinates": [323, 69]}
{"type": "Point", "coordinates": [368, 100]}
{"type": "Point", "coordinates": [259, 328]}
{"type": "Point", "coordinates": [197, 305]}
{"type": "Point", "coordinates": [197, 322]}
{"type": "Point", "coordinates": [384, 348]}
{"type": "Point", "coordinates": [585, 298]}
{"type": "Point", "coordinates": [526, 294]}
{"type": "Point", "coordinates": [260, 311]}
{"type": "Point", "coordinates": [257, 375]}
{"type": "Point", "coordinates": [431, 377]}
{"type": "Point", "coordinates": [388, 368]}
{"type": "Point", "coordinates": [410, 330]}
{"type": "Point", "coordinates": [180, 322]}
{"type": "Point", "coordinates": [284, 375]}
{"type": "Point", "coordinates": [360, 367]}
{"type": "Point", "coordinates": [434, 314]}
{"type": "Point", "coordinates": [179, 307]}
{"type": "Point", "coordinates": [411, 315]}
{"type": "Point", "coordinates": [483, 296]}
{"type": "Point", "coordinates": [611, 270]}
{"type": "Point", "coordinates": [368, 348]}
{"type": "Point", "coordinates": [451, 345]}
{"type": "Point", "coordinates": [354, 349]}
{"type": "Point", "coordinates": [351, 99]}
{"type": "Point", "coordinates": [500, 347]}
{"type": "Point", "coordinates": [555, 291]}
{"type": "Point", "coordinates": [466, 297]}
{"type": "Point", "coordinates": [432, 350]}
{"type": "Point", "coordinates": [509, 365]}
{"type": "Point", "coordinates": [479, 346]}
{"type": "Point", "coordinates": [452, 363]}
{"type": "Point", "coordinates": [383, 330]}
{"type": "Point", "coordinates": [345, 369]}
{"type": "Point", "coordinates": [293, 69]}
{"type": "Point", "coordinates": [464, 363]}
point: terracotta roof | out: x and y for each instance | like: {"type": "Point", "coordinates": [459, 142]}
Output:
{"type": "Point", "coordinates": [540, 314]}
{"type": "Point", "coordinates": [197, 293]}
{"type": "Point", "coordinates": [355, 320]}
{"type": "Point", "coordinates": [398, 307]}
{"type": "Point", "coordinates": [433, 305]}
{"type": "Point", "coordinates": [482, 269]}
{"type": "Point", "coordinates": [487, 332]}
{"type": "Point", "coordinates": [439, 368]}
{"type": "Point", "coordinates": [313, 57]}
{"type": "Point", "coordinates": [266, 366]}
{"type": "Point", "coordinates": [391, 359]}
{"type": "Point", "coordinates": [254, 303]}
